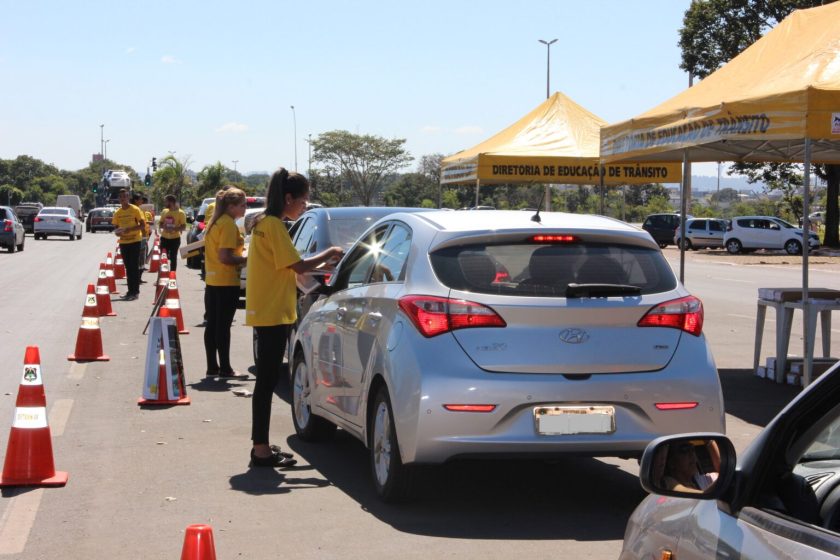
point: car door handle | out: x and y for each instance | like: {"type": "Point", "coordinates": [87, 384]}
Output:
{"type": "Point", "coordinates": [340, 312]}
{"type": "Point", "coordinates": [374, 317]}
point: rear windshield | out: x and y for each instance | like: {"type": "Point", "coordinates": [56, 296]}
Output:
{"type": "Point", "coordinates": [539, 270]}
{"type": "Point", "coordinates": [56, 211]}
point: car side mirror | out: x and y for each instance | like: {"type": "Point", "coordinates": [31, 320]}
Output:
{"type": "Point", "coordinates": [699, 466]}
{"type": "Point", "coordinates": [190, 219]}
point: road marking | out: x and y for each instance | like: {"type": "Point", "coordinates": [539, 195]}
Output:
{"type": "Point", "coordinates": [18, 520]}
{"type": "Point", "coordinates": [735, 280]}
{"type": "Point", "coordinates": [59, 413]}
{"type": "Point", "coordinates": [767, 319]}
{"type": "Point", "coordinates": [77, 371]}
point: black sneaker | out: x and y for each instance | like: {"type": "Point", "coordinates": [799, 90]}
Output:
{"type": "Point", "coordinates": [276, 449]}
{"type": "Point", "coordinates": [275, 460]}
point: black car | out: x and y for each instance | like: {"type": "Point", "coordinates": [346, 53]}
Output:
{"type": "Point", "coordinates": [12, 236]}
{"type": "Point", "coordinates": [26, 212]}
{"type": "Point", "coordinates": [663, 228]}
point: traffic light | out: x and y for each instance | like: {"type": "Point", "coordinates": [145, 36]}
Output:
{"type": "Point", "coordinates": [154, 164]}
{"type": "Point", "coordinates": [148, 180]}
{"type": "Point", "coordinates": [95, 186]}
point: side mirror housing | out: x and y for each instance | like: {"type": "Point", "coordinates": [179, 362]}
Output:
{"type": "Point", "coordinates": [697, 465]}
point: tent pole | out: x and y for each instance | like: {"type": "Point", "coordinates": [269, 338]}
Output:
{"type": "Point", "coordinates": [477, 183]}
{"type": "Point", "coordinates": [547, 195]}
{"type": "Point", "coordinates": [603, 190]}
{"type": "Point", "coordinates": [806, 246]}
{"type": "Point", "coordinates": [685, 188]}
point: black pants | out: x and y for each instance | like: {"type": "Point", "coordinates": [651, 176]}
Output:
{"type": "Point", "coordinates": [271, 345]}
{"type": "Point", "coordinates": [220, 306]}
{"type": "Point", "coordinates": [171, 248]}
{"type": "Point", "coordinates": [131, 255]}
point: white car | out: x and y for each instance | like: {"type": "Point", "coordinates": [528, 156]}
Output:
{"type": "Point", "coordinates": [118, 180]}
{"type": "Point", "coordinates": [765, 232]}
{"type": "Point", "coordinates": [58, 221]}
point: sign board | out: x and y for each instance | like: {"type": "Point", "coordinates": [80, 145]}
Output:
{"type": "Point", "coordinates": [164, 347]}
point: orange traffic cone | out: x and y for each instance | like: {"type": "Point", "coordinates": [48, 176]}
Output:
{"type": "Point", "coordinates": [89, 339]}
{"type": "Point", "coordinates": [119, 265]}
{"type": "Point", "coordinates": [109, 264]}
{"type": "Point", "coordinates": [163, 276]}
{"type": "Point", "coordinates": [29, 457]}
{"type": "Point", "coordinates": [103, 294]}
{"type": "Point", "coordinates": [198, 543]}
{"type": "Point", "coordinates": [173, 303]}
{"type": "Point", "coordinates": [154, 266]}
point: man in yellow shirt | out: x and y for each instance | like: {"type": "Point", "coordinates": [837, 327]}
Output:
{"type": "Point", "coordinates": [129, 223]}
{"type": "Point", "coordinates": [173, 222]}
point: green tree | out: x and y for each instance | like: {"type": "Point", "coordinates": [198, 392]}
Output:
{"type": "Point", "coordinates": [714, 32]}
{"type": "Point", "coordinates": [171, 177]}
{"type": "Point", "coordinates": [210, 179]}
{"type": "Point", "coordinates": [363, 161]}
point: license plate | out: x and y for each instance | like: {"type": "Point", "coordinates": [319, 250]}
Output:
{"type": "Point", "coordinates": [570, 420]}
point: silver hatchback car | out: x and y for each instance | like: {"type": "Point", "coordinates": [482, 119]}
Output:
{"type": "Point", "coordinates": [487, 334]}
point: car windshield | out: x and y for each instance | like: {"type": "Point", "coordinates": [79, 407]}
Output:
{"type": "Point", "coordinates": [345, 232]}
{"type": "Point", "coordinates": [827, 443]}
{"type": "Point", "coordinates": [783, 223]}
{"type": "Point", "coordinates": [56, 211]}
{"type": "Point", "coordinates": [560, 270]}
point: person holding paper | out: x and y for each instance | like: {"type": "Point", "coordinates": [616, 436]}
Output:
{"type": "Point", "coordinates": [271, 300]}
{"type": "Point", "coordinates": [173, 222]}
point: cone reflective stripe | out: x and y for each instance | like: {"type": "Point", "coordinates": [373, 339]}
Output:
{"type": "Point", "coordinates": [109, 268]}
{"type": "Point", "coordinates": [198, 543]}
{"type": "Point", "coordinates": [173, 303]}
{"type": "Point", "coordinates": [154, 266]}
{"type": "Point", "coordinates": [103, 294]}
{"type": "Point", "coordinates": [89, 339]}
{"type": "Point", "coordinates": [119, 266]}
{"type": "Point", "coordinates": [29, 458]}
{"type": "Point", "coordinates": [163, 276]}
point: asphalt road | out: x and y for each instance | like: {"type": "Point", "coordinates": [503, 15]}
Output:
{"type": "Point", "coordinates": [139, 477]}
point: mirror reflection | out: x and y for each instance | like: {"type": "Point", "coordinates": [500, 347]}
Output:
{"type": "Point", "coordinates": [687, 466]}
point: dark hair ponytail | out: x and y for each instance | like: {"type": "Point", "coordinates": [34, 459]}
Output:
{"type": "Point", "coordinates": [282, 183]}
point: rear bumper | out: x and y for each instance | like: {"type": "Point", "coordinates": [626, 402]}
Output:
{"type": "Point", "coordinates": [59, 228]}
{"type": "Point", "coordinates": [7, 238]}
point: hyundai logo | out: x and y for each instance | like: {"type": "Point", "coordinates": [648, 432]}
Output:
{"type": "Point", "coordinates": [574, 336]}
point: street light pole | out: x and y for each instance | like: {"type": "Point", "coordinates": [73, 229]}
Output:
{"type": "Point", "coordinates": [105, 151]}
{"type": "Point", "coordinates": [547, 65]}
{"type": "Point", "coordinates": [309, 161]}
{"type": "Point", "coordinates": [101, 139]}
{"type": "Point", "coordinates": [294, 120]}
{"type": "Point", "coordinates": [234, 167]}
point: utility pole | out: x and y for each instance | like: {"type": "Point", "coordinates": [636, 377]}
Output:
{"type": "Point", "coordinates": [547, 65]}
{"type": "Point", "coordinates": [294, 120]}
{"type": "Point", "coordinates": [309, 161]}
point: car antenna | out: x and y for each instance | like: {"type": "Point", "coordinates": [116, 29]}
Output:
{"type": "Point", "coordinates": [536, 217]}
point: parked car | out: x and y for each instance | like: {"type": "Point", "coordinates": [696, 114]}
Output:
{"type": "Point", "coordinates": [26, 212]}
{"type": "Point", "coordinates": [58, 221]}
{"type": "Point", "coordinates": [99, 219]}
{"type": "Point", "coordinates": [663, 227]}
{"type": "Point", "coordinates": [782, 500]}
{"type": "Point", "coordinates": [450, 334]}
{"type": "Point", "coordinates": [765, 232]}
{"type": "Point", "coordinates": [702, 232]}
{"type": "Point", "coordinates": [320, 228]}
{"type": "Point", "coordinates": [12, 234]}
{"type": "Point", "coordinates": [817, 217]}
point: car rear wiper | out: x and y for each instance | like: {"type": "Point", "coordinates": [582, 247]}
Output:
{"type": "Point", "coordinates": [602, 290]}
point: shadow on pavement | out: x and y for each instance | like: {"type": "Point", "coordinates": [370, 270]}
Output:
{"type": "Point", "coordinates": [216, 385]}
{"type": "Point", "coordinates": [262, 481]}
{"type": "Point", "coordinates": [753, 399]}
{"type": "Point", "coordinates": [571, 498]}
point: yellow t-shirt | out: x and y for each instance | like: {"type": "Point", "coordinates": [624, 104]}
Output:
{"type": "Point", "coordinates": [175, 218]}
{"type": "Point", "coordinates": [149, 221]}
{"type": "Point", "coordinates": [271, 292]}
{"type": "Point", "coordinates": [129, 218]}
{"type": "Point", "coordinates": [208, 212]}
{"type": "Point", "coordinates": [223, 235]}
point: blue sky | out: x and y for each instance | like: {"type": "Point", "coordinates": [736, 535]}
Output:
{"type": "Point", "coordinates": [214, 81]}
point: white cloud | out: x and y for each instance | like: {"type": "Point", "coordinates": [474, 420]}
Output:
{"type": "Point", "coordinates": [469, 129]}
{"type": "Point", "coordinates": [169, 59]}
{"type": "Point", "coordinates": [130, 50]}
{"type": "Point", "coordinates": [430, 129]}
{"type": "Point", "coordinates": [232, 127]}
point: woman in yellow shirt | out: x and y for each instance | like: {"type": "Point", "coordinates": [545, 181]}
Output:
{"type": "Point", "coordinates": [271, 300]}
{"type": "Point", "coordinates": [223, 246]}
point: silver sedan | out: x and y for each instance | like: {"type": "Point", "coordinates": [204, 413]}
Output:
{"type": "Point", "coordinates": [58, 221]}
{"type": "Point", "coordinates": [495, 334]}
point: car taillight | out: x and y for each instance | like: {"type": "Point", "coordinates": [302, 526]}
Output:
{"type": "Point", "coordinates": [7, 225]}
{"type": "Point", "coordinates": [37, 219]}
{"type": "Point", "coordinates": [545, 238]}
{"type": "Point", "coordinates": [201, 226]}
{"type": "Point", "coordinates": [68, 220]}
{"type": "Point", "coordinates": [685, 314]}
{"type": "Point", "coordinates": [470, 407]}
{"type": "Point", "coordinates": [436, 315]}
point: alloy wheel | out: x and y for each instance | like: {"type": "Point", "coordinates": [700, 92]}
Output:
{"type": "Point", "coordinates": [382, 443]}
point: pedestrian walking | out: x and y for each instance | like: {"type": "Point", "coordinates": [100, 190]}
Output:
{"type": "Point", "coordinates": [173, 221]}
{"type": "Point", "coordinates": [223, 245]}
{"type": "Point", "coordinates": [129, 224]}
{"type": "Point", "coordinates": [271, 300]}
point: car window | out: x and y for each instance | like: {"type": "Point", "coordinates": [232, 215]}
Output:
{"type": "Point", "coordinates": [698, 225]}
{"type": "Point", "coordinates": [357, 266]}
{"type": "Point", "coordinates": [716, 225]}
{"type": "Point", "coordinates": [539, 270]}
{"type": "Point", "coordinates": [345, 232]}
{"type": "Point", "coordinates": [304, 235]}
{"type": "Point", "coordinates": [784, 224]}
{"type": "Point", "coordinates": [56, 211]}
{"type": "Point", "coordinates": [391, 264]}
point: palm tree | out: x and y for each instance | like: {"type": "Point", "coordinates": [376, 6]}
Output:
{"type": "Point", "coordinates": [171, 178]}
{"type": "Point", "coordinates": [211, 179]}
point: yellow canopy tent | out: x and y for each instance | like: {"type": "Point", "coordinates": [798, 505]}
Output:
{"type": "Point", "coordinates": [557, 142]}
{"type": "Point", "coordinates": [779, 100]}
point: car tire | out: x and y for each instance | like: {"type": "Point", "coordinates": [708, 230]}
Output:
{"type": "Point", "coordinates": [793, 247]}
{"type": "Point", "coordinates": [80, 235]}
{"type": "Point", "coordinates": [308, 426]}
{"type": "Point", "coordinates": [22, 243]}
{"type": "Point", "coordinates": [733, 246]}
{"type": "Point", "coordinates": [394, 481]}
{"type": "Point", "coordinates": [688, 245]}
{"type": "Point", "coordinates": [662, 244]}
{"type": "Point", "coordinates": [12, 248]}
